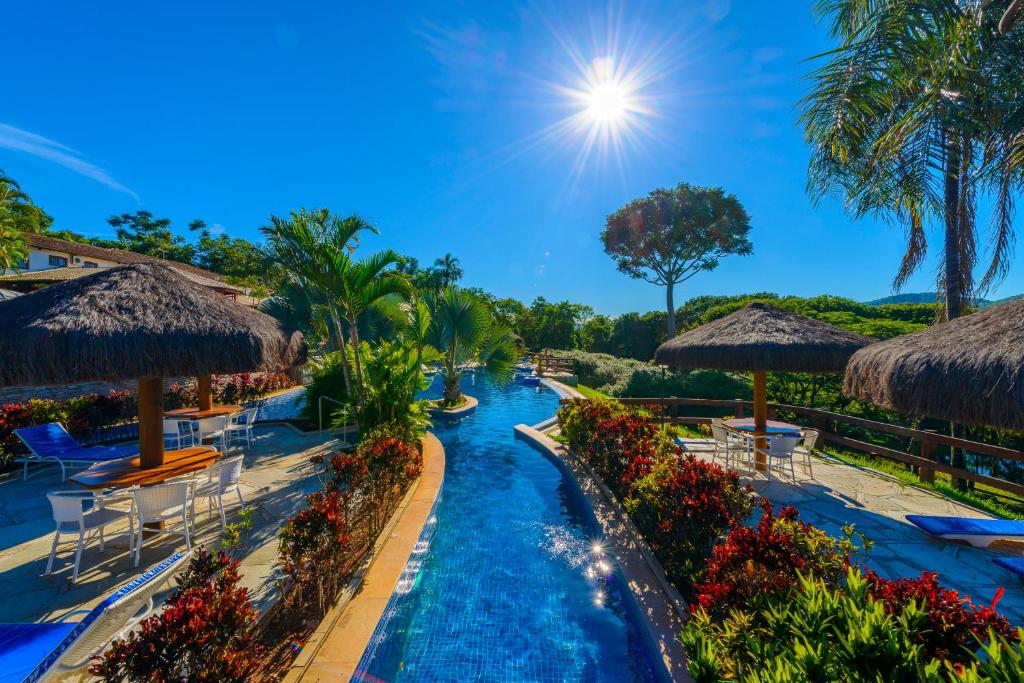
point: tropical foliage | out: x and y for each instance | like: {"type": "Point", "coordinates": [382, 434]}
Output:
{"type": "Point", "coordinates": [17, 214]}
{"type": "Point", "coordinates": [915, 116]}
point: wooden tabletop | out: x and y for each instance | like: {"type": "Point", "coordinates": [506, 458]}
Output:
{"type": "Point", "coordinates": [128, 472]}
{"type": "Point", "coordinates": [196, 414]}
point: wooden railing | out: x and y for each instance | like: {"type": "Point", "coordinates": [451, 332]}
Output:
{"type": "Point", "coordinates": [923, 447]}
{"type": "Point", "coordinates": [551, 364]}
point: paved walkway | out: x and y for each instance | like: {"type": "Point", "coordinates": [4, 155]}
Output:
{"type": "Point", "coordinates": [841, 494]}
{"type": "Point", "coordinates": [276, 477]}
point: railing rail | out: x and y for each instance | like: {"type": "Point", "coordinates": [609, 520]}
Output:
{"type": "Point", "coordinates": [825, 422]}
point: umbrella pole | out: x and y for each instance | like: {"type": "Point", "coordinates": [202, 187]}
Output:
{"type": "Point", "coordinates": [760, 420]}
{"type": "Point", "coordinates": [151, 421]}
{"type": "Point", "coordinates": [204, 385]}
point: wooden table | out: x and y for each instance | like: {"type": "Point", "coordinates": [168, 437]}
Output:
{"type": "Point", "coordinates": [197, 414]}
{"type": "Point", "coordinates": [127, 472]}
{"type": "Point", "coordinates": [772, 426]}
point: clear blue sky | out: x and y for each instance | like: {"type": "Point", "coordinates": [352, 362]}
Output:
{"type": "Point", "coordinates": [429, 119]}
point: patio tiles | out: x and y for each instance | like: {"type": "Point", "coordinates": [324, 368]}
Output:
{"type": "Point", "coordinates": [877, 506]}
{"type": "Point", "coordinates": [276, 476]}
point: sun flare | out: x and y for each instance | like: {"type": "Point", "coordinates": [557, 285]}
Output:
{"type": "Point", "coordinates": [607, 102]}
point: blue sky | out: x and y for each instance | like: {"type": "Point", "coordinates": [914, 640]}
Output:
{"type": "Point", "coordinates": [443, 123]}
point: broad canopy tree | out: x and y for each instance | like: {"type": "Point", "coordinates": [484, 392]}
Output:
{"type": "Point", "coordinates": [672, 234]}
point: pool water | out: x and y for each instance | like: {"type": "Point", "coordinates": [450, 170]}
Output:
{"type": "Point", "coordinates": [497, 589]}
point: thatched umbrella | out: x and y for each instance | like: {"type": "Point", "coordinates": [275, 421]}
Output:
{"type": "Point", "coordinates": [142, 321]}
{"type": "Point", "coordinates": [968, 371]}
{"type": "Point", "coordinates": [761, 338]}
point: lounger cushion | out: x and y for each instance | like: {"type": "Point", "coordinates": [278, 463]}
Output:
{"type": "Point", "coordinates": [57, 647]}
{"type": "Point", "coordinates": [48, 439]}
{"type": "Point", "coordinates": [1014, 564]}
{"type": "Point", "coordinates": [965, 526]}
{"type": "Point", "coordinates": [23, 646]}
{"type": "Point", "coordinates": [97, 453]}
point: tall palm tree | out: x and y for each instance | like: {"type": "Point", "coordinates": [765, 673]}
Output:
{"type": "Point", "coordinates": [448, 270]}
{"type": "Point", "coordinates": [913, 116]}
{"type": "Point", "coordinates": [315, 248]}
{"type": "Point", "coordinates": [463, 331]}
{"type": "Point", "coordinates": [364, 284]}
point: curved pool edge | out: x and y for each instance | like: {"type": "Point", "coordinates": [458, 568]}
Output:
{"type": "Point", "coordinates": [334, 650]}
{"type": "Point", "coordinates": [452, 414]}
{"type": "Point", "coordinates": [659, 605]}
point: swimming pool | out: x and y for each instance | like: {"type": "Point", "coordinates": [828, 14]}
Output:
{"type": "Point", "coordinates": [504, 585]}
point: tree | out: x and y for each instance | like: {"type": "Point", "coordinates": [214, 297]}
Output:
{"type": "Point", "coordinates": [671, 235]}
{"type": "Point", "coordinates": [463, 331]}
{"type": "Point", "coordinates": [553, 325]}
{"type": "Point", "coordinates": [913, 116]}
{"type": "Point", "coordinates": [448, 269]}
{"type": "Point", "coordinates": [141, 233]}
{"type": "Point", "coordinates": [17, 214]}
{"type": "Point", "coordinates": [236, 258]}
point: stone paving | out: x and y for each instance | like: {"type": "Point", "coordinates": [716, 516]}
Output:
{"type": "Point", "coordinates": [839, 494]}
{"type": "Point", "coordinates": [276, 477]}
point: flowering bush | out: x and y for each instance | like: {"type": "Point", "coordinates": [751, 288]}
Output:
{"type": "Point", "coordinates": [240, 388]}
{"type": "Point", "coordinates": [315, 552]}
{"type": "Point", "coordinates": [955, 625]}
{"type": "Point", "coordinates": [204, 633]}
{"type": "Point", "coordinates": [578, 419]}
{"type": "Point", "coordinates": [682, 507]}
{"type": "Point", "coordinates": [321, 545]}
{"type": "Point", "coordinates": [766, 560]}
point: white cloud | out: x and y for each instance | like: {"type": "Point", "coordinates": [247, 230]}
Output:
{"type": "Point", "coordinates": [51, 150]}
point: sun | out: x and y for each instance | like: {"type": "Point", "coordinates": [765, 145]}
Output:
{"type": "Point", "coordinates": [608, 102]}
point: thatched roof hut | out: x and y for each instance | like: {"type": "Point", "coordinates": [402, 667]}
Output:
{"type": "Point", "coordinates": [969, 370]}
{"type": "Point", "coordinates": [139, 320]}
{"type": "Point", "coordinates": [761, 337]}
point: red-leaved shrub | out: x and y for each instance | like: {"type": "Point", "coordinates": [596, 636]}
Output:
{"type": "Point", "coordinates": [956, 626]}
{"type": "Point", "coordinates": [204, 633]}
{"type": "Point", "coordinates": [682, 507]}
{"type": "Point", "coordinates": [763, 561]}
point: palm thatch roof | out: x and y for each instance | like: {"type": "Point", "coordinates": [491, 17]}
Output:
{"type": "Point", "coordinates": [139, 320]}
{"type": "Point", "coordinates": [969, 370]}
{"type": "Point", "coordinates": [761, 337]}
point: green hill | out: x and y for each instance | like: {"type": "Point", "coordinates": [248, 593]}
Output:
{"type": "Point", "coordinates": [932, 297]}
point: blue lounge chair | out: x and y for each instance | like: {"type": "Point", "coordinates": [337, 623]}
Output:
{"type": "Point", "coordinates": [980, 533]}
{"type": "Point", "coordinates": [52, 442]}
{"type": "Point", "coordinates": [1013, 564]}
{"type": "Point", "coordinates": [44, 651]}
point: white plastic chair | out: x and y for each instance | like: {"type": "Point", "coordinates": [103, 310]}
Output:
{"type": "Point", "coordinates": [239, 427]}
{"type": "Point", "coordinates": [781, 447]}
{"type": "Point", "coordinates": [810, 440]}
{"type": "Point", "coordinates": [180, 433]}
{"type": "Point", "coordinates": [163, 505]}
{"type": "Point", "coordinates": [222, 480]}
{"type": "Point", "coordinates": [71, 517]}
{"type": "Point", "coordinates": [727, 443]}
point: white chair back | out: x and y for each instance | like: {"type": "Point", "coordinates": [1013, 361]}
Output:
{"type": "Point", "coordinates": [178, 428]}
{"type": "Point", "coordinates": [783, 445]}
{"type": "Point", "coordinates": [810, 439]}
{"type": "Point", "coordinates": [245, 417]}
{"type": "Point", "coordinates": [153, 500]}
{"type": "Point", "coordinates": [719, 433]}
{"type": "Point", "coordinates": [229, 472]}
{"type": "Point", "coordinates": [66, 509]}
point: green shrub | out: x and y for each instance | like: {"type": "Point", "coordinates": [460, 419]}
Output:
{"type": "Point", "coordinates": [626, 377]}
{"type": "Point", "coordinates": [326, 379]}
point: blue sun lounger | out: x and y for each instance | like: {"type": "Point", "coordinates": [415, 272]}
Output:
{"type": "Point", "coordinates": [44, 651]}
{"type": "Point", "coordinates": [52, 442]}
{"type": "Point", "coordinates": [980, 533]}
{"type": "Point", "coordinates": [1013, 564]}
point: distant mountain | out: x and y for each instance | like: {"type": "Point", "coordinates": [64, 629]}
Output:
{"type": "Point", "coordinates": [931, 297]}
{"type": "Point", "coordinates": [919, 298]}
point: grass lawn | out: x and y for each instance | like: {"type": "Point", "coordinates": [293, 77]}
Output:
{"type": "Point", "coordinates": [590, 393]}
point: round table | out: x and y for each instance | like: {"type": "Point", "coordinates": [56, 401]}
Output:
{"type": "Point", "coordinates": [746, 424]}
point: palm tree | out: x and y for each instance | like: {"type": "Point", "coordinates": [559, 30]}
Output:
{"type": "Point", "coordinates": [916, 113]}
{"type": "Point", "coordinates": [448, 270]}
{"type": "Point", "coordinates": [314, 247]}
{"type": "Point", "coordinates": [364, 284]}
{"type": "Point", "coordinates": [463, 331]}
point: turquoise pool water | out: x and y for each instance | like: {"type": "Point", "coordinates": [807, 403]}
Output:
{"type": "Point", "coordinates": [504, 584]}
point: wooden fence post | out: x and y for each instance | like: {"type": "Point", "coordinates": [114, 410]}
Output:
{"type": "Point", "coordinates": [739, 408]}
{"type": "Point", "coordinates": [929, 449]}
